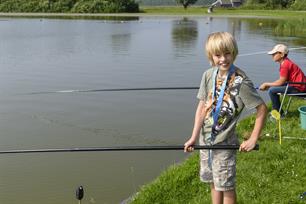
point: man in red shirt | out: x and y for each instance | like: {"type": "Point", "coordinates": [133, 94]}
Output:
{"type": "Point", "coordinates": [288, 72]}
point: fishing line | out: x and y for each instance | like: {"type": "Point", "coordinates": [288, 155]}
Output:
{"type": "Point", "coordinates": [265, 52]}
{"type": "Point", "coordinates": [142, 89]}
{"type": "Point", "coordinates": [287, 137]}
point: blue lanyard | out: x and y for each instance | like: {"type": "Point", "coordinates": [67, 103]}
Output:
{"type": "Point", "coordinates": [217, 109]}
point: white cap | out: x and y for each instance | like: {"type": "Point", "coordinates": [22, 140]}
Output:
{"type": "Point", "coordinates": [279, 48]}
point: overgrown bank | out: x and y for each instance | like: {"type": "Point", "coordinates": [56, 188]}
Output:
{"type": "Point", "coordinates": [275, 4]}
{"type": "Point", "coordinates": [73, 6]}
{"type": "Point", "coordinates": [132, 6]}
{"type": "Point", "coordinates": [274, 174]}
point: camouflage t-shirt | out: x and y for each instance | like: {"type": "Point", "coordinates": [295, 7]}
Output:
{"type": "Point", "coordinates": [239, 92]}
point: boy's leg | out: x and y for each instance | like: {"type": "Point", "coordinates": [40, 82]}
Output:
{"type": "Point", "coordinates": [229, 197]}
{"type": "Point", "coordinates": [216, 196]}
{"type": "Point", "coordinates": [207, 177]}
{"type": "Point", "coordinates": [222, 197]}
{"type": "Point", "coordinates": [275, 97]}
{"type": "Point", "coordinates": [273, 93]}
{"type": "Point", "coordinates": [224, 174]}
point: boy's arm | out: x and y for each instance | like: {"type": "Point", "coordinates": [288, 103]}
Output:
{"type": "Point", "coordinates": [198, 122]}
{"type": "Point", "coordinates": [278, 82]}
{"type": "Point", "coordinates": [249, 144]}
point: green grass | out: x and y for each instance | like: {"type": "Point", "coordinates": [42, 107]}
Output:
{"type": "Point", "coordinates": [274, 174]}
{"type": "Point", "coordinates": [178, 10]}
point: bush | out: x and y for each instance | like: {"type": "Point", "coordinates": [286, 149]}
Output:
{"type": "Point", "coordinates": [250, 5]}
{"type": "Point", "coordinates": [61, 5]}
{"type": "Point", "coordinates": [299, 5]}
{"type": "Point", "coordinates": [78, 6]}
{"type": "Point", "coordinates": [89, 6]}
{"type": "Point", "coordinates": [279, 3]}
{"type": "Point", "coordinates": [10, 6]}
{"type": "Point", "coordinates": [268, 4]}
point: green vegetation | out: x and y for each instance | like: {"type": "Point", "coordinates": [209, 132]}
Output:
{"type": "Point", "coordinates": [299, 5]}
{"type": "Point", "coordinates": [171, 2]}
{"type": "Point", "coordinates": [132, 6]}
{"type": "Point", "coordinates": [175, 10]}
{"type": "Point", "coordinates": [186, 3]}
{"type": "Point", "coordinates": [274, 174]}
{"type": "Point", "coordinates": [250, 4]}
{"type": "Point", "coordinates": [269, 4]}
{"type": "Point", "coordinates": [250, 7]}
{"type": "Point", "coordinates": [276, 4]}
{"type": "Point", "coordinates": [75, 6]}
{"type": "Point", "coordinates": [294, 29]}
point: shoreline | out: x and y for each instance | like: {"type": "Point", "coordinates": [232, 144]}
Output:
{"type": "Point", "coordinates": [103, 15]}
{"type": "Point", "coordinates": [185, 174]}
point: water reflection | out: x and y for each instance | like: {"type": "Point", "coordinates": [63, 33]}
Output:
{"type": "Point", "coordinates": [235, 27]}
{"type": "Point", "coordinates": [120, 43]}
{"type": "Point", "coordinates": [184, 36]}
{"type": "Point", "coordinates": [289, 30]}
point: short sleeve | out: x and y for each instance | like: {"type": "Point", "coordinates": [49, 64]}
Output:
{"type": "Point", "coordinates": [206, 85]}
{"type": "Point", "coordinates": [249, 95]}
{"type": "Point", "coordinates": [284, 69]}
{"type": "Point", "coordinates": [202, 93]}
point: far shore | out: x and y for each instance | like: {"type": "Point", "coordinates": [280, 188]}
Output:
{"type": "Point", "coordinates": [97, 15]}
{"type": "Point", "coordinates": [151, 13]}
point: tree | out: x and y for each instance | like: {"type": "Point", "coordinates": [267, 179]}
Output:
{"type": "Point", "coordinates": [186, 3]}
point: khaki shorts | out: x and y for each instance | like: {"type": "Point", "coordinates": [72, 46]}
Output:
{"type": "Point", "coordinates": [221, 171]}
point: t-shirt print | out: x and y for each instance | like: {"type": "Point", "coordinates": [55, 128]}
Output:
{"type": "Point", "coordinates": [239, 93]}
{"type": "Point", "coordinates": [229, 108]}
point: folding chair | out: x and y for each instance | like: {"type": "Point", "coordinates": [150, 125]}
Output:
{"type": "Point", "coordinates": [298, 94]}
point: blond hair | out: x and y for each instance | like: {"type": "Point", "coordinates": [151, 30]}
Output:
{"type": "Point", "coordinates": [220, 43]}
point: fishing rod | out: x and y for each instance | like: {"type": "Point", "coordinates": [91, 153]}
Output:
{"type": "Point", "coordinates": [141, 89]}
{"type": "Point", "coordinates": [117, 89]}
{"type": "Point", "coordinates": [121, 89]}
{"type": "Point", "coordinates": [122, 148]}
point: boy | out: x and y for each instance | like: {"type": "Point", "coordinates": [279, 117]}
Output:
{"type": "Point", "coordinates": [288, 71]}
{"type": "Point", "coordinates": [223, 93]}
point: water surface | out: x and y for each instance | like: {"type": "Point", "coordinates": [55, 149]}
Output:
{"type": "Point", "coordinates": [56, 54]}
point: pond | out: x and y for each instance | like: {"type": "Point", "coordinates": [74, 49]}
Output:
{"type": "Point", "coordinates": [41, 55]}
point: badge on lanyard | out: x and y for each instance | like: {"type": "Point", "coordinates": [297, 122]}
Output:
{"type": "Point", "coordinates": [216, 111]}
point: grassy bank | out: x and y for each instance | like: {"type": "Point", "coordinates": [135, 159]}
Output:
{"type": "Point", "coordinates": [171, 11]}
{"type": "Point", "coordinates": [274, 174]}
{"type": "Point", "coordinates": [176, 10]}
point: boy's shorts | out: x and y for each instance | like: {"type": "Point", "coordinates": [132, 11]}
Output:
{"type": "Point", "coordinates": [222, 171]}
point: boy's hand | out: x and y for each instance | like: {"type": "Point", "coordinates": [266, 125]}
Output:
{"type": "Point", "coordinates": [263, 87]}
{"type": "Point", "coordinates": [247, 145]}
{"type": "Point", "coordinates": [188, 146]}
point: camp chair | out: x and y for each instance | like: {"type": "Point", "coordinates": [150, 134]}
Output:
{"type": "Point", "coordinates": [290, 95]}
